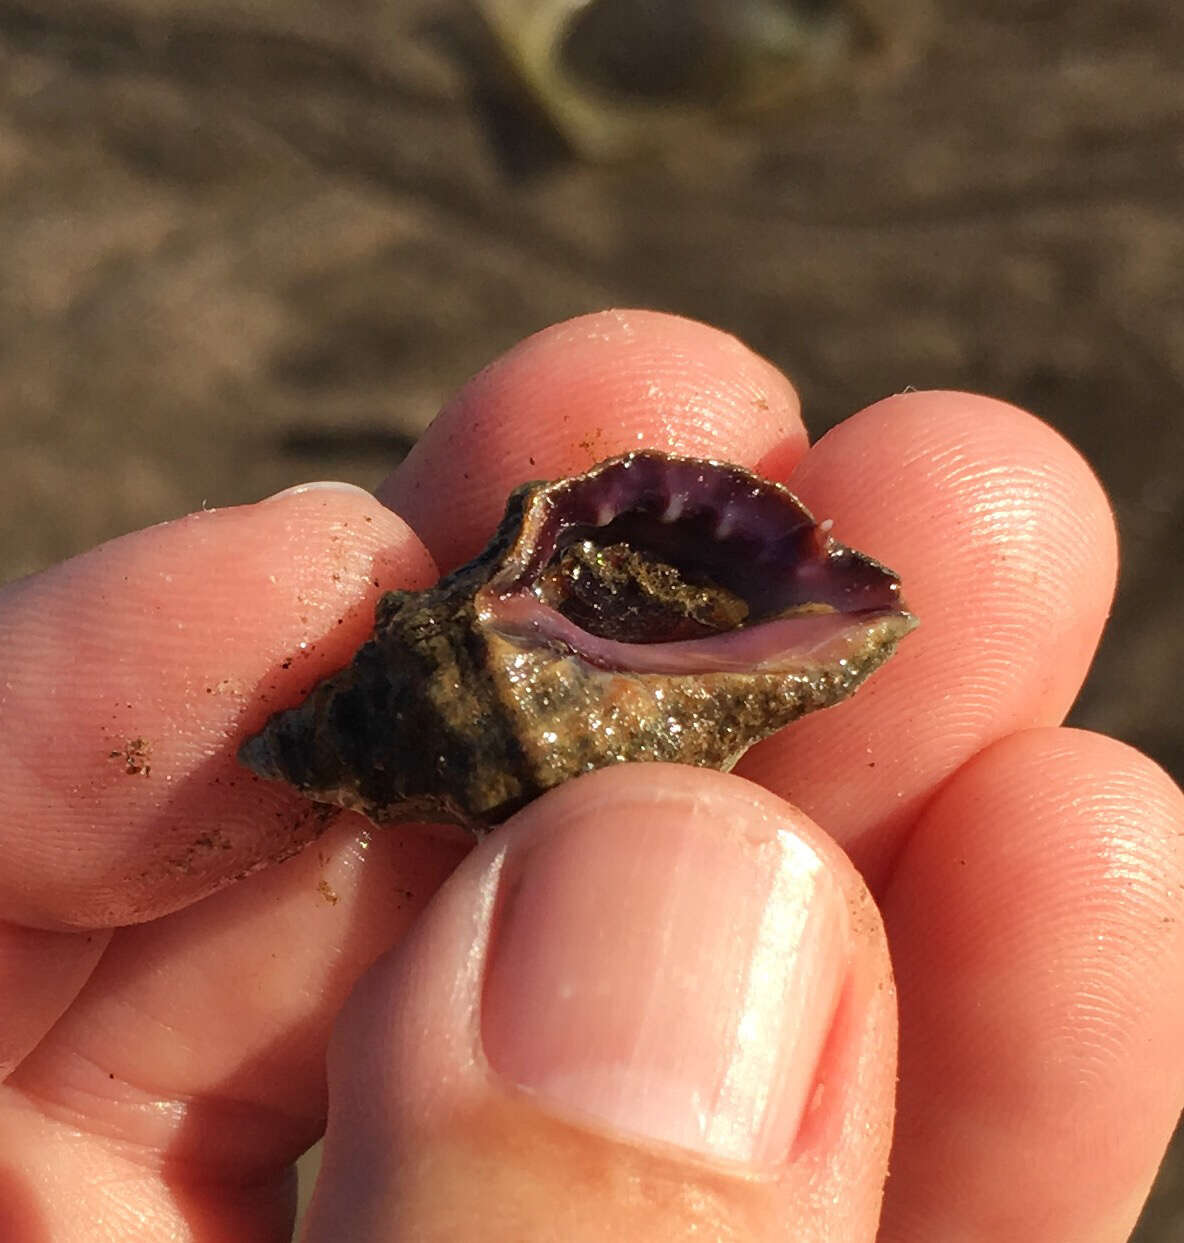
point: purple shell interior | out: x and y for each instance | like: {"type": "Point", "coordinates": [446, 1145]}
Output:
{"type": "Point", "coordinates": [748, 535]}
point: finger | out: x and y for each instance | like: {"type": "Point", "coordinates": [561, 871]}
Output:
{"type": "Point", "coordinates": [1005, 546]}
{"type": "Point", "coordinates": [1036, 929]}
{"type": "Point", "coordinates": [133, 671]}
{"type": "Point", "coordinates": [582, 391]}
{"type": "Point", "coordinates": [188, 1076]}
{"type": "Point", "coordinates": [656, 1004]}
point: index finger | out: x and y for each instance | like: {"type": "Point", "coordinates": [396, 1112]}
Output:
{"type": "Point", "coordinates": [130, 673]}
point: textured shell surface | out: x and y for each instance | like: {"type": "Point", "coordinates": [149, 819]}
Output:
{"type": "Point", "coordinates": [655, 608]}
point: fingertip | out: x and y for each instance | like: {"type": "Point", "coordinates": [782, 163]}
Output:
{"type": "Point", "coordinates": [1094, 766]}
{"type": "Point", "coordinates": [653, 1002]}
{"type": "Point", "coordinates": [1006, 550]}
{"type": "Point", "coordinates": [924, 449]}
{"type": "Point", "coordinates": [581, 391]}
{"type": "Point", "coordinates": [133, 672]}
{"type": "Point", "coordinates": [1035, 925]}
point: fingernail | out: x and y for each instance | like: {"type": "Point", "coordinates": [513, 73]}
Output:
{"type": "Point", "coordinates": [320, 485]}
{"type": "Point", "coordinates": [670, 972]}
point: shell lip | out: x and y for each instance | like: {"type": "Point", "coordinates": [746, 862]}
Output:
{"type": "Point", "coordinates": [663, 490]}
{"type": "Point", "coordinates": [809, 598]}
{"type": "Point", "coordinates": [789, 645]}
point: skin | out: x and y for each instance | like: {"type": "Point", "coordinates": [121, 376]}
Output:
{"type": "Point", "coordinates": [169, 1000]}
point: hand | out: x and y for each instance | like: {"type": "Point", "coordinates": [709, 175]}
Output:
{"type": "Point", "coordinates": [681, 1023]}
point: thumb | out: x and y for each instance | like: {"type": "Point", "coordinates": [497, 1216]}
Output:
{"type": "Point", "coordinates": [655, 1005]}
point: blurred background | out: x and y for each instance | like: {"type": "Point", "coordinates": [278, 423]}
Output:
{"type": "Point", "coordinates": [246, 243]}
